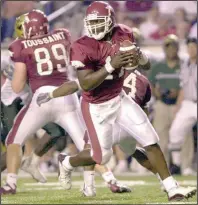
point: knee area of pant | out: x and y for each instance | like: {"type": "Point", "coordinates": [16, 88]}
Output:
{"type": "Point", "coordinates": [175, 146]}
{"type": "Point", "coordinates": [175, 136]}
{"type": "Point", "coordinates": [106, 155]}
{"type": "Point", "coordinates": [172, 132]}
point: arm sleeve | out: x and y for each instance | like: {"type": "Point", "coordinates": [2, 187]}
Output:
{"type": "Point", "coordinates": [147, 96]}
{"type": "Point", "coordinates": [79, 58]}
{"type": "Point", "coordinates": [125, 33]}
{"type": "Point", "coordinates": [132, 37]}
{"type": "Point", "coordinates": [129, 34]}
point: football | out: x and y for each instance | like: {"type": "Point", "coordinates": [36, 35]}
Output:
{"type": "Point", "coordinates": [129, 46]}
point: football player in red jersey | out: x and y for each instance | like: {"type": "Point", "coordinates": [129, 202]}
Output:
{"type": "Point", "coordinates": [42, 59]}
{"type": "Point", "coordinates": [138, 88]}
{"type": "Point", "coordinates": [11, 105]}
{"type": "Point", "coordinates": [100, 72]}
{"type": "Point", "coordinates": [9, 112]}
{"type": "Point", "coordinates": [99, 68]}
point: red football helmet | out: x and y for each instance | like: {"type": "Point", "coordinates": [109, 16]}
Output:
{"type": "Point", "coordinates": [99, 20]}
{"type": "Point", "coordinates": [35, 23]}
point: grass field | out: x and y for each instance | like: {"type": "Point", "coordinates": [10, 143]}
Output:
{"type": "Point", "coordinates": [145, 190]}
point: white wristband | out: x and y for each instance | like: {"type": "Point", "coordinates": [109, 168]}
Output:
{"type": "Point", "coordinates": [51, 95]}
{"type": "Point", "coordinates": [144, 59]}
{"type": "Point", "coordinates": [109, 67]}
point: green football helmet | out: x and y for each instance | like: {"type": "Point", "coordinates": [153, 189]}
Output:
{"type": "Point", "coordinates": [19, 26]}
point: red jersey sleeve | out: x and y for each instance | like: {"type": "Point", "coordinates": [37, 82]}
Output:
{"type": "Point", "coordinates": [128, 33]}
{"type": "Point", "coordinates": [147, 96]}
{"type": "Point", "coordinates": [79, 57]}
{"type": "Point", "coordinates": [16, 52]}
{"type": "Point", "coordinates": [65, 32]}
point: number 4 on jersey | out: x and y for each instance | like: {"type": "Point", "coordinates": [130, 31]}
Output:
{"type": "Point", "coordinates": [130, 82]}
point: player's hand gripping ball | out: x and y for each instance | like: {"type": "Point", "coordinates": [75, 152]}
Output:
{"type": "Point", "coordinates": [127, 46]}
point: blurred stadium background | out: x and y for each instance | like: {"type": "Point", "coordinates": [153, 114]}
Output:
{"type": "Point", "coordinates": [154, 20]}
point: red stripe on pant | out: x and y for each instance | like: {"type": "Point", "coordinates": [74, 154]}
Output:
{"type": "Point", "coordinates": [16, 124]}
{"type": "Point", "coordinates": [97, 153]}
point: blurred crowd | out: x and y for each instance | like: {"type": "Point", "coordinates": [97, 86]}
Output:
{"type": "Point", "coordinates": [154, 20]}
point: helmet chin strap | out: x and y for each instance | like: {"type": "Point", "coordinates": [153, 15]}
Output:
{"type": "Point", "coordinates": [99, 36]}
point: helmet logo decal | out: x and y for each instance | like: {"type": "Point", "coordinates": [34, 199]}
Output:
{"type": "Point", "coordinates": [95, 12]}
